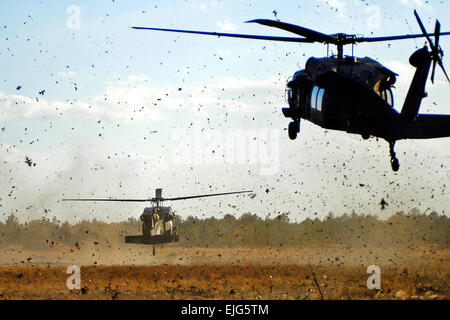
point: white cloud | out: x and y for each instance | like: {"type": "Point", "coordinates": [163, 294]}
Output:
{"type": "Point", "coordinates": [412, 3]}
{"type": "Point", "coordinates": [138, 78]}
{"type": "Point", "coordinates": [13, 106]}
{"type": "Point", "coordinates": [67, 74]}
{"type": "Point", "coordinates": [226, 26]}
{"type": "Point", "coordinates": [436, 98]}
{"type": "Point", "coordinates": [405, 73]}
{"type": "Point", "coordinates": [118, 104]}
{"type": "Point", "coordinates": [223, 52]}
{"type": "Point", "coordinates": [373, 20]}
{"type": "Point", "coordinates": [131, 80]}
{"type": "Point", "coordinates": [338, 6]}
{"type": "Point", "coordinates": [147, 103]}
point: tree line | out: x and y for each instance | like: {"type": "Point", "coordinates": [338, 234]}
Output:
{"type": "Point", "coordinates": [249, 230]}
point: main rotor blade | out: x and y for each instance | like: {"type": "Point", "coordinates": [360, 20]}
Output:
{"type": "Point", "coordinates": [162, 199]}
{"type": "Point", "coordinates": [400, 37]}
{"type": "Point", "coordinates": [309, 34]}
{"type": "Point", "coordinates": [121, 200]}
{"type": "Point", "coordinates": [442, 67]}
{"type": "Point", "coordinates": [437, 32]}
{"type": "Point", "coordinates": [432, 71]}
{"type": "Point", "coordinates": [423, 28]}
{"type": "Point", "coordinates": [203, 196]}
{"type": "Point", "coordinates": [232, 35]}
{"type": "Point", "coordinates": [435, 49]}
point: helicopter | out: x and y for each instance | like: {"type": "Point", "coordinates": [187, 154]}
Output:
{"type": "Point", "coordinates": [354, 94]}
{"type": "Point", "coordinates": [157, 221]}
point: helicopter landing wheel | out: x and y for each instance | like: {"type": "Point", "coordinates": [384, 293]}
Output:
{"type": "Point", "coordinates": [293, 129]}
{"type": "Point", "coordinates": [395, 164]}
{"type": "Point", "coordinates": [394, 161]}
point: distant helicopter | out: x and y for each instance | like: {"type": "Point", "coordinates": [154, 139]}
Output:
{"type": "Point", "coordinates": [157, 221]}
{"type": "Point", "coordinates": [353, 94]}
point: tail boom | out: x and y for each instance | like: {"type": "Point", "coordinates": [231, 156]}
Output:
{"type": "Point", "coordinates": [427, 126]}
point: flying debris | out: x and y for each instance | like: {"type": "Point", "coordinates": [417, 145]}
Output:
{"type": "Point", "coordinates": [383, 204]}
{"type": "Point", "coordinates": [30, 162]}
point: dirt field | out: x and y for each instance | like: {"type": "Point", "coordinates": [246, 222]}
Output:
{"type": "Point", "coordinates": [131, 272]}
{"type": "Point", "coordinates": [230, 258]}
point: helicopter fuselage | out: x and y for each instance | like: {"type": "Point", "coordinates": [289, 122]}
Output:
{"type": "Point", "coordinates": [157, 221]}
{"type": "Point", "coordinates": [355, 95]}
{"type": "Point", "coordinates": [157, 227]}
{"type": "Point", "coordinates": [340, 93]}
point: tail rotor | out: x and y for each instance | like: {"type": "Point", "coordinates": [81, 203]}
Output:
{"type": "Point", "coordinates": [436, 51]}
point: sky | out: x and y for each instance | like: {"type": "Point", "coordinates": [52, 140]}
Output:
{"type": "Point", "coordinates": [103, 110]}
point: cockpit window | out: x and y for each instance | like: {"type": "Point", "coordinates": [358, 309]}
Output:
{"type": "Point", "coordinates": [288, 94]}
{"type": "Point", "coordinates": [317, 98]}
{"type": "Point", "coordinates": [388, 97]}
{"type": "Point", "coordinates": [314, 97]}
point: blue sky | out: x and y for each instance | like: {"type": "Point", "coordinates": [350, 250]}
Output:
{"type": "Point", "coordinates": [119, 103]}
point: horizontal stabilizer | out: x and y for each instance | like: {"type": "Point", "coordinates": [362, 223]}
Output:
{"type": "Point", "coordinates": [153, 239]}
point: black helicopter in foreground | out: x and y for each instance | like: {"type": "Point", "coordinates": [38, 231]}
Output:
{"type": "Point", "coordinates": [157, 221]}
{"type": "Point", "coordinates": [355, 94]}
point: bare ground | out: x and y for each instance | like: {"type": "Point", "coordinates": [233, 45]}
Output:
{"type": "Point", "coordinates": [38, 271]}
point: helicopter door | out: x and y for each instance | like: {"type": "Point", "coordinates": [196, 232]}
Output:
{"type": "Point", "coordinates": [155, 218]}
{"type": "Point", "coordinates": [297, 92]}
{"type": "Point", "coordinates": [294, 95]}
